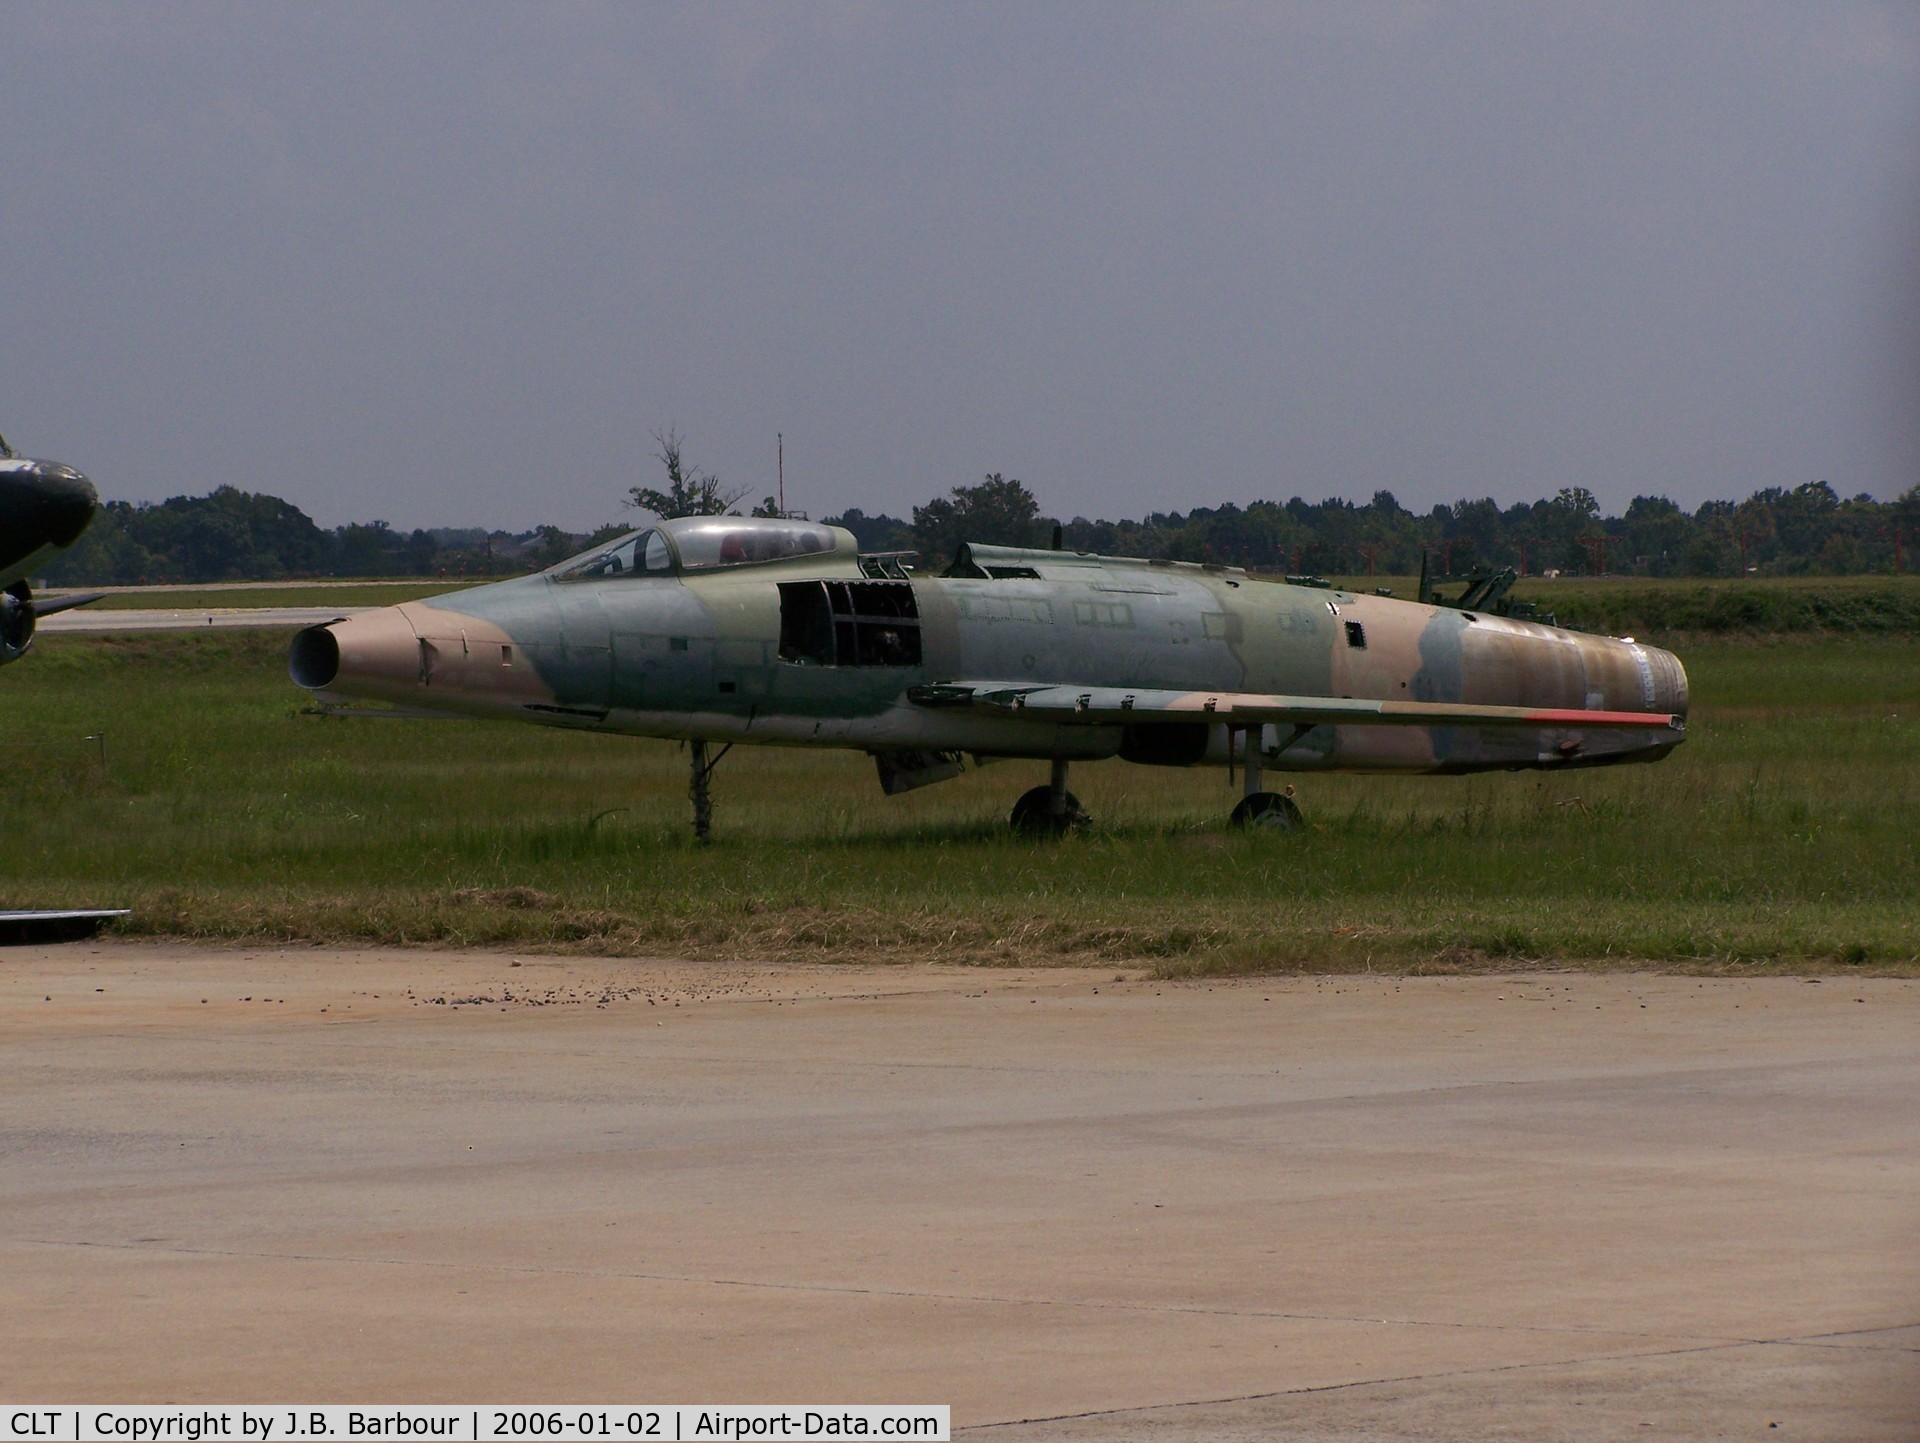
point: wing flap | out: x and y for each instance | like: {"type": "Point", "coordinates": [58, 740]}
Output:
{"type": "Point", "coordinates": [1109, 706]}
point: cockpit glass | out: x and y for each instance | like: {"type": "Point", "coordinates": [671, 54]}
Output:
{"type": "Point", "coordinates": [733, 541]}
{"type": "Point", "coordinates": [643, 553]}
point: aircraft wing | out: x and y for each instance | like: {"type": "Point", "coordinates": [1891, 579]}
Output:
{"type": "Point", "coordinates": [21, 928]}
{"type": "Point", "coordinates": [50, 606]}
{"type": "Point", "coordinates": [1111, 706]}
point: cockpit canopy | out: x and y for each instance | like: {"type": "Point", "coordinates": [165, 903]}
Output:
{"type": "Point", "coordinates": [698, 543]}
{"type": "Point", "coordinates": [705, 541]}
{"type": "Point", "coordinates": [638, 553]}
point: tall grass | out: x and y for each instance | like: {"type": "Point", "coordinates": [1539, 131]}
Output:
{"type": "Point", "coordinates": [177, 774]}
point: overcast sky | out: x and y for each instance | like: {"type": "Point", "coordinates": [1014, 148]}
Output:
{"type": "Point", "coordinates": [449, 264]}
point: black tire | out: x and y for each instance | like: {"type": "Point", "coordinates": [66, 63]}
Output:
{"type": "Point", "coordinates": [1033, 814]}
{"type": "Point", "coordinates": [1269, 812]}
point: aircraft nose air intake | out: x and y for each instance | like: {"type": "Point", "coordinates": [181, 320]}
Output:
{"type": "Point", "coordinates": [315, 659]}
{"type": "Point", "coordinates": [373, 654]}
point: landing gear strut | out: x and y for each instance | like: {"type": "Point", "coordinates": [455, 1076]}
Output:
{"type": "Point", "coordinates": [1270, 811]}
{"type": "Point", "coordinates": [697, 792]}
{"type": "Point", "coordinates": [1049, 811]}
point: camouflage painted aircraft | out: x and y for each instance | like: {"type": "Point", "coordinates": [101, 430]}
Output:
{"type": "Point", "coordinates": [44, 506]}
{"type": "Point", "coordinates": [730, 629]}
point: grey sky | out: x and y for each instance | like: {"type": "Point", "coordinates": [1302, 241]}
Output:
{"type": "Point", "coordinates": [449, 264]}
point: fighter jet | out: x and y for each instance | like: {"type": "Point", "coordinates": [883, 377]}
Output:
{"type": "Point", "coordinates": [44, 506]}
{"type": "Point", "coordinates": [760, 630]}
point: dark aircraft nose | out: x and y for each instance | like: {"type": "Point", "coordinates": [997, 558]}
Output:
{"type": "Point", "coordinates": [49, 504]}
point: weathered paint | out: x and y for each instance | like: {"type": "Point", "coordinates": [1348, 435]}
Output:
{"type": "Point", "coordinates": [697, 654]}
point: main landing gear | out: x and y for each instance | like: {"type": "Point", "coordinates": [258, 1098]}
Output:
{"type": "Point", "coordinates": [1269, 811]}
{"type": "Point", "coordinates": [1053, 811]}
{"type": "Point", "coordinates": [1050, 811]}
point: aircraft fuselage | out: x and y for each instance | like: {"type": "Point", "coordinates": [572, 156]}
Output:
{"type": "Point", "coordinates": [826, 648]}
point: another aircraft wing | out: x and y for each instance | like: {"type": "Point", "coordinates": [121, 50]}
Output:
{"type": "Point", "coordinates": [1110, 706]}
{"type": "Point", "coordinates": [25, 928]}
{"type": "Point", "coordinates": [53, 605]}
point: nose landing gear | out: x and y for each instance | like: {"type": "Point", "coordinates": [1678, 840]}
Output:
{"type": "Point", "coordinates": [701, 773]}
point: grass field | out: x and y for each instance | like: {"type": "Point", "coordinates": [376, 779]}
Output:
{"type": "Point", "coordinates": [176, 774]}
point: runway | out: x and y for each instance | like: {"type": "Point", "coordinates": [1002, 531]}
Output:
{"type": "Point", "coordinates": [1071, 1206]}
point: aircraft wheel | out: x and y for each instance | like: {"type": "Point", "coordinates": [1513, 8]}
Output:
{"type": "Point", "coordinates": [1269, 811]}
{"type": "Point", "coordinates": [1033, 814]}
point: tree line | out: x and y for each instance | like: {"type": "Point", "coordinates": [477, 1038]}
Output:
{"type": "Point", "coordinates": [231, 534]}
{"type": "Point", "coordinates": [235, 535]}
{"type": "Point", "coordinates": [1808, 530]}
